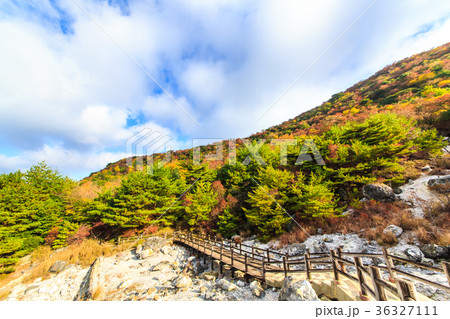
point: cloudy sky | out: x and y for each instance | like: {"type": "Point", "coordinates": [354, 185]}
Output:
{"type": "Point", "coordinates": [78, 78]}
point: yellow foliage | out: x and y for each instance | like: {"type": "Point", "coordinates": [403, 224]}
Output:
{"type": "Point", "coordinates": [354, 110]}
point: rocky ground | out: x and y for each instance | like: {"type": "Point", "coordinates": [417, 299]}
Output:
{"type": "Point", "coordinates": [154, 271]}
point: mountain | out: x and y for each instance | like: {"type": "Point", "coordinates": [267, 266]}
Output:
{"type": "Point", "coordinates": [345, 163]}
{"type": "Point", "coordinates": [417, 87]}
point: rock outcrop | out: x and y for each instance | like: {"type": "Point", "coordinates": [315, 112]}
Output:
{"type": "Point", "coordinates": [378, 192]}
{"type": "Point", "coordinates": [297, 291]}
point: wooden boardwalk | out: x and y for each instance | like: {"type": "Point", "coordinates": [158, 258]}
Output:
{"type": "Point", "coordinates": [344, 271]}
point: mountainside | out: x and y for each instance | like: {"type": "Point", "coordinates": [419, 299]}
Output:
{"type": "Point", "coordinates": [344, 166]}
{"type": "Point", "coordinates": [417, 87]}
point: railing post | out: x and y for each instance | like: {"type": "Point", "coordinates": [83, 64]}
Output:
{"type": "Point", "coordinates": [253, 252]}
{"type": "Point", "coordinates": [268, 254]}
{"type": "Point", "coordinates": [246, 265]}
{"type": "Point", "coordinates": [231, 256]}
{"type": "Point", "coordinates": [221, 248]}
{"type": "Point", "coordinates": [406, 290]}
{"type": "Point", "coordinates": [389, 264]}
{"type": "Point", "coordinates": [264, 271]}
{"type": "Point", "coordinates": [333, 263]}
{"type": "Point", "coordinates": [240, 248]}
{"type": "Point", "coordinates": [446, 267]}
{"type": "Point", "coordinates": [284, 267]}
{"type": "Point", "coordinates": [380, 294]}
{"type": "Point", "coordinates": [308, 273]}
{"type": "Point", "coordinates": [339, 254]}
{"type": "Point", "coordinates": [360, 276]}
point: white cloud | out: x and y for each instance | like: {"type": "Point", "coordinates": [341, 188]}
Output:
{"type": "Point", "coordinates": [66, 98]}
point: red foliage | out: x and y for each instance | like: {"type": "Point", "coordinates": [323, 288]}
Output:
{"type": "Point", "coordinates": [81, 234]}
{"type": "Point", "coordinates": [51, 236]}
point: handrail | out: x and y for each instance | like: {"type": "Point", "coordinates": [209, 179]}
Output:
{"type": "Point", "coordinates": [251, 261]}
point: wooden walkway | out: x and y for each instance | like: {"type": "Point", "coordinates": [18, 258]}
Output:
{"type": "Point", "coordinates": [382, 282]}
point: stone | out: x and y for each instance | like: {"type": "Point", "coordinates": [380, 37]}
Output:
{"type": "Point", "coordinates": [256, 289]}
{"type": "Point", "coordinates": [163, 266]}
{"type": "Point", "coordinates": [226, 285]}
{"type": "Point", "coordinates": [395, 230]}
{"type": "Point", "coordinates": [240, 283]}
{"type": "Point", "coordinates": [297, 291]}
{"type": "Point", "coordinates": [125, 284]}
{"type": "Point", "coordinates": [426, 168]}
{"type": "Point", "coordinates": [236, 239]}
{"type": "Point", "coordinates": [410, 252]}
{"type": "Point", "coordinates": [439, 181]}
{"type": "Point", "coordinates": [151, 290]}
{"type": "Point", "coordinates": [182, 282]}
{"type": "Point", "coordinates": [145, 253]}
{"type": "Point", "coordinates": [414, 254]}
{"type": "Point", "coordinates": [156, 297]}
{"type": "Point", "coordinates": [138, 249]}
{"type": "Point", "coordinates": [57, 267]}
{"type": "Point", "coordinates": [166, 250]}
{"type": "Point", "coordinates": [398, 190]}
{"type": "Point", "coordinates": [209, 295]}
{"type": "Point", "coordinates": [202, 289]}
{"type": "Point", "coordinates": [354, 247]}
{"type": "Point", "coordinates": [378, 192]}
{"type": "Point", "coordinates": [239, 274]}
{"type": "Point", "coordinates": [433, 251]}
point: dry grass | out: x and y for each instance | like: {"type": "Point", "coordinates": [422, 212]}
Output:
{"type": "Point", "coordinates": [296, 236]}
{"type": "Point", "coordinates": [372, 218]}
{"type": "Point", "coordinates": [443, 162]}
{"type": "Point", "coordinates": [443, 238]}
{"type": "Point", "coordinates": [97, 293]}
{"type": "Point", "coordinates": [387, 239]}
{"type": "Point", "coordinates": [83, 254]}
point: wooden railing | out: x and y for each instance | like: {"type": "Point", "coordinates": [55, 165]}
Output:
{"type": "Point", "coordinates": [258, 262]}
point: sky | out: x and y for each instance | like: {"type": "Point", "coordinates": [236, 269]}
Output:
{"type": "Point", "coordinates": [82, 80]}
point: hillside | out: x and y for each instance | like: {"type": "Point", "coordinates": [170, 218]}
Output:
{"type": "Point", "coordinates": [417, 87]}
{"type": "Point", "coordinates": [382, 132]}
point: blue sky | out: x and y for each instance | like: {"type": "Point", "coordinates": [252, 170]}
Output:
{"type": "Point", "coordinates": [74, 84]}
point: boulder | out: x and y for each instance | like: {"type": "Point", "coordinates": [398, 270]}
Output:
{"type": "Point", "coordinates": [226, 285]}
{"type": "Point", "coordinates": [163, 266]}
{"type": "Point", "coordinates": [256, 289]}
{"type": "Point", "coordinates": [57, 267]}
{"type": "Point", "coordinates": [166, 250]}
{"type": "Point", "coordinates": [182, 282]}
{"type": "Point", "coordinates": [414, 254]}
{"type": "Point", "coordinates": [125, 284]}
{"type": "Point", "coordinates": [354, 247]}
{"type": "Point", "coordinates": [239, 274]}
{"type": "Point", "coordinates": [144, 254]}
{"type": "Point", "coordinates": [410, 252]}
{"type": "Point", "coordinates": [138, 249]}
{"type": "Point", "coordinates": [236, 239]}
{"type": "Point", "coordinates": [154, 243]}
{"type": "Point", "coordinates": [439, 181]}
{"type": "Point", "coordinates": [297, 291]}
{"type": "Point", "coordinates": [395, 230]}
{"type": "Point", "coordinates": [378, 192]}
{"type": "Point", "coordinates": [434, 251]}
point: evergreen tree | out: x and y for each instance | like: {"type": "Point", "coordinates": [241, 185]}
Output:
{"type": "Point", "coordinates": [199, 204]}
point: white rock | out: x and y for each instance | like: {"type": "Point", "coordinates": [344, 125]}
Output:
{"type": "Point", "coordinates": [395, 230]}
{"type": "Point", "coordinates": [226, 285]}
{"type": "Point", "coordinates": [256, 289]}
{"type": "Point", "coordinates": [297, 291]}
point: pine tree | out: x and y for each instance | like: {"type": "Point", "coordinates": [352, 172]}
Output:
{"type": "Point", "coordinates": [199, 204]}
